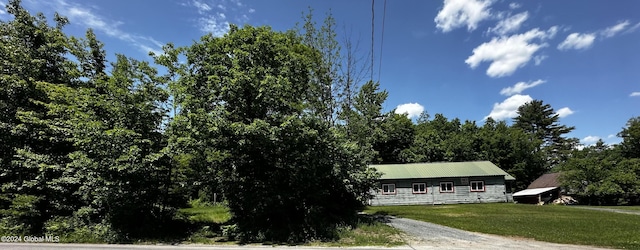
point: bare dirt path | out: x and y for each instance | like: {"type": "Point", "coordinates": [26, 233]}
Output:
{"type": "Point", "coordinates": [424, 235]}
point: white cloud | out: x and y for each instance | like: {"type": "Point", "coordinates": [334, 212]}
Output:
{"type": "Point", "coordinates": [577, 41]}
{"type": "Point", "coordinates": [3, 11]}
{"type": "Point", "coordinates": [411, 109]}
{"type": "Point", "coordinates": [209, 21]}
{"type": "Point", "coordinates": [538, 59]}
{"type": "Point", "coordinates": [634, 94]}
{"type": "Point", "coordinates": [85, 16]}
{"type": "Point", "coordinates": [149, 45]}
{"type": "Point", "coordinates": [237, 2]}
{"type": "Point", "coordinates": [514, 6]}
{"type": "Point", "coordinates": [585, 40]}
{"type": "Point", "coordinates": [216, 20]}
{"type": "Point", "coordinates": [243, 19]}
{"type": "Point", "coordinates": [634, 28]}
{"type": "Point", "coordinates": [611, 136]}
{"type": "Point", "coordinates": [507, 54]}
{"type": "Point", "coordinates": [590, 139]}
{"type": "Point", "coordinates": [217, 25]}
{"type": "Point", "coordinates": [459, 13]}
{"type": "Point", "coordinates": [564, 112]}
{"type": "Point", "coordinates": [510, 24]}
{"type": "Point", "coordinates": [551, 33]}
{"type": "Point", "coordinates": [509, 107]}
{"type": "Point", "coordinates": [519, 87]}
{"type": "Point", "coordinates": [613, 30]}
{"type": "Point", "coordinates": [202, 7]}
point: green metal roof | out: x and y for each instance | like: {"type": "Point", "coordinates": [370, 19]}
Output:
{"type": "Point", "coordinates": [440, 170]}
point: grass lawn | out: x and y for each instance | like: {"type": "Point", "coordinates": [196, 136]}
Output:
{"type": "Point", "coordinates": [559, 224]}
{"type": "Point", "coordinates": [215, 214]}
{"type": "Point", "coordinates": [207, 221]}
{"type": "Point", "coordinates": [368, 232]}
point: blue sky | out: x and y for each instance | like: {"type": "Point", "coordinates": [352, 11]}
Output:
{"type": "Point", "coordinates": [463, 58]}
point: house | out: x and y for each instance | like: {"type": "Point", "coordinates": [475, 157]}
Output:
{"type": "Point", "coordinates": [441, 183]}
{"type": "Point", "coordinates": [543, 190]}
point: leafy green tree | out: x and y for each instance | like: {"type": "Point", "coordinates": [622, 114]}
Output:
{"type": "Point", "coordinates": [439, 140]}
{"type": "Point", "coordinates": [524, 161]}
{"type": "Point", "coordinates": [463, 143]}
{"type": "Point", "coordinates": [365, 119]}
{"type": "Point", "coordinates": [599, 175]}
{"type": "Point", "coordinates": [397, 134]}
{"type": "Point", "coordinates": [508, 147]}
{"type": "Point", "coordinates": [604, 174]}
{"type": "Point", "coordinates": [630, 145]}
{"type": "Point", "coordinates": [425, 147]}
{"type": "Point", "coordinates": [83, 149]}
{"type": "Point", "coordinates": [117, 170]}
{"type": "Point", "coordinates": [188, 130]}
{"type": "Point", "coordinates": [327, 81]}
{"type": "Point", "coordinates": [247, 103]}
{"type": "Point", "coordinates": [32, 149]}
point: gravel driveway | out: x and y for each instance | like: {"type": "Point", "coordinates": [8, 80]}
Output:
{"type": "Point", "coordinates": [425, 235]}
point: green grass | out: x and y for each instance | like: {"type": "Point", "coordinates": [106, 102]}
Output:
{"type": "Point", "coordinates": [559, 224]}
{"type": "Point", "coordinates": [217, 214]}
{"type": "Point", "coordinates": [368, 232]}
{"type": "Point", "coordinates": [208, 220]}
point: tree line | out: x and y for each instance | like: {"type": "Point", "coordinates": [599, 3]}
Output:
{"type": "Point", "coordinates": [602, 174]}
{"type": "Point", "coordinates": [282, 125]}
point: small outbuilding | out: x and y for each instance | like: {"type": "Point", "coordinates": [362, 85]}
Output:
{"type": "Point", "coordinates": [543, 190]}
{"type": "Point", "coordinates": [441, 183]}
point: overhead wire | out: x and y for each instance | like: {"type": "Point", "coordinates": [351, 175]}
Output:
{"type": "Point", "coordinates": [372, 35]}
{"type": "Point", "coordinates": [384, 14]}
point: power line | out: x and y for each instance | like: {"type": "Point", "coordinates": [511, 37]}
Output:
{"type": "Point", "coordinates": [384, 14]}
{"type": "Point", "coordinates": [372, 35]}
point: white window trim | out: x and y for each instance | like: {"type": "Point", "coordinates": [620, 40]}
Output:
{"type": "Point", "coordinates": [413, 189]}
{"type": "Point", "coordinates": [476, 190]}
{"type": "Point", "coordinates": [392, 185]}
{"type": "Point", "coordinates": [453, 187]}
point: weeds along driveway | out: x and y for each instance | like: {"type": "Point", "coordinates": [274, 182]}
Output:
{"type": "Point", "coordinates": [425, 235]}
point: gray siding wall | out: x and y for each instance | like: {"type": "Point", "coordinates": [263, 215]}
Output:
{"type": "Point", "coordinates": [494, 192]}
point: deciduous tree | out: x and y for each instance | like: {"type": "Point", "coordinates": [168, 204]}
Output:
{"type": "Point", "coordinates": [247, 102]}
{"type": "Point", "coordinates": [630, 145]}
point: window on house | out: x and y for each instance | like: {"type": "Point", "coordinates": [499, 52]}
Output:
{"type": "Point", "coordinates": [477, 186]}
{"type": "Point", "coordinates": [388, 188]}
{"type": "Point", "coordinates": [446, 187]}
{"type": "Point", "coordinates": [419, 188]}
